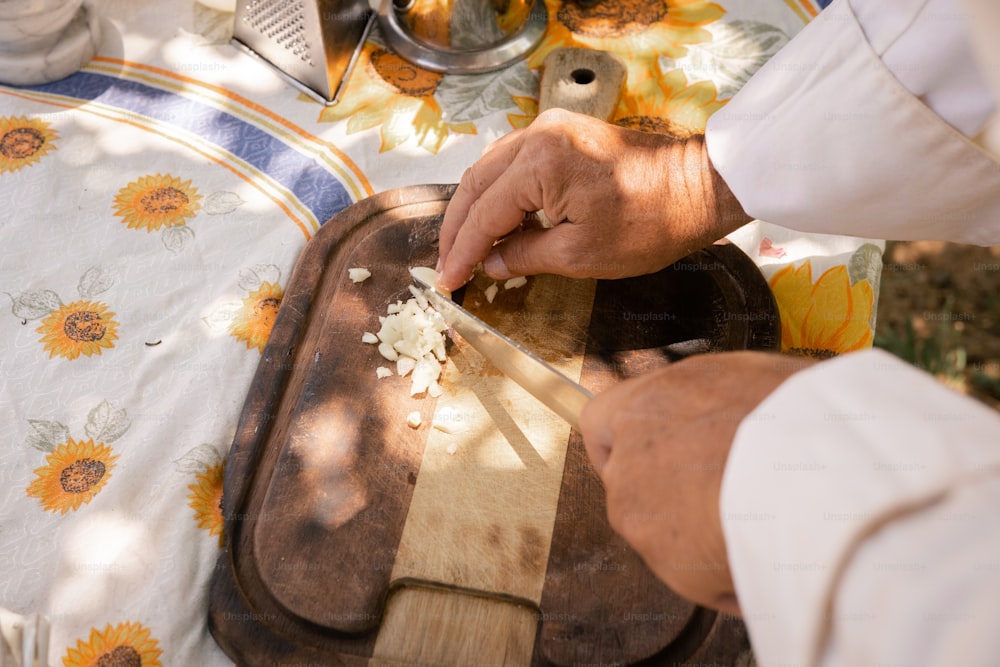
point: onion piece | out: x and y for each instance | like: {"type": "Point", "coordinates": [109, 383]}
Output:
{"type": "Point", "coordinates": [358, 275]}
{"type": "Point", "coordinates": [514, 283]}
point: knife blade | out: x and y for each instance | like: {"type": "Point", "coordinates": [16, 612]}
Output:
{"type": "Point", "coordinates": [563, 396]}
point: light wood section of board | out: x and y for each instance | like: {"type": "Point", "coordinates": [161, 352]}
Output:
{"type": "Point", "coordinates": [483, 508]}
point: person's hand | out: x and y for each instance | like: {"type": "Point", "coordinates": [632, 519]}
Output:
{"type": "Point", "coordinates": [660, 444]}
{"type": "Point", "coordinates": [623, 203]}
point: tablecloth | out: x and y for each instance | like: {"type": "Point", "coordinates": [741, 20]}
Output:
{"type": "Point", "coordinates": [152, 206]}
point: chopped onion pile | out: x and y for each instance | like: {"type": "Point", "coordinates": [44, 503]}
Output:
{"type": "Point", "coordinates": [412, 335]}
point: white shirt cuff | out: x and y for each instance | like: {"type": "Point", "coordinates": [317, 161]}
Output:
{"type": "Point", "coordinates": [836, 453]}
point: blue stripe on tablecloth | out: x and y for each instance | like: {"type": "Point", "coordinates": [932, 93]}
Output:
{"type": "Point", "coordinates": [318, 189]}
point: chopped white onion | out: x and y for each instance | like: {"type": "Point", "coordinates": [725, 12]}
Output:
{"type": "Point", "coordinates": [358, 275]}
{"type": "Point", "coordinates": [513, 283]}
{"type": "Point", "coordinates": [449, 420]}
{"type": "Point", "coordinates": [404, 365]}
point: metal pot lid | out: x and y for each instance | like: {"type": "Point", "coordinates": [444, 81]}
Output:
{"type": "Point", "coordinates": [437, 58]}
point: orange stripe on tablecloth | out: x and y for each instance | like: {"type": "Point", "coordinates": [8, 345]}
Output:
{"type": "Point", "coordinates": [295, 129]}
{"type": "Point", "coordinates": [92, 109]}
{"type": "Point", "coordinates": [810, 8]}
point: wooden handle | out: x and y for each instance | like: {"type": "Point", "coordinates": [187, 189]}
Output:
{"type": "Point", "coordinates": [586, 81]}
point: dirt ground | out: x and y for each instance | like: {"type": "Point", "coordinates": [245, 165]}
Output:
{"type": "Point", "coordinates": [939, 308]}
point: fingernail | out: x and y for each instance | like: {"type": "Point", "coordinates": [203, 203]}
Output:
{"type": "Point", "coordinates": [495, 267]}
{"type": "Point", "coordinates": [437, 267]}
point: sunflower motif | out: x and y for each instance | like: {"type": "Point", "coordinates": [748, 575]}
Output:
{"type": "Point", "coordinates": [76, 472]}
{"type": "Point", "coordinates": [206, 499]}
{"type": "Point", "coordinates": [397, 96]}
{"type": "Point", "coordinates": [157, 201]}
{"type": "Point", "coordinates": [529, 109]}
{"type": "Point", "coordinates": [640, 31]}
{"type": "Point", "coordinates": [823, 319]}
{"type": "Point", "coordinates": [82, 327]}
{"type": "Point", "coordinates": [513, 14]}
{"type": "Point", "coordinates": [667, 104]}
{"type": "Point", "coordinates": [253, 321]}
{"type": "Point", "coordinates": [24, 141]}
{"type": "Point", "coordinates": [124, 645]}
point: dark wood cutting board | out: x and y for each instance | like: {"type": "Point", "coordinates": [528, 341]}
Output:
{"type": "Point", "coordinates": [334, 505]}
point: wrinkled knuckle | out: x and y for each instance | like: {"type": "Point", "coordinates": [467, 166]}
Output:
{"type": "Point", "coordinates": [475, 221]}
{"type": "Point", "coordinates": [471, 180]}
{"type": "Point", "coordinates": [482, 221]}
{"type": "Point", "coordinates": [551, 117]}
{"type": "Point", "coordinates": [551, 159]}
{"type": "Point", "coordinates": [547, 137]}
{"type": "Point", "coordinates": [515, 258]}
{"type": "Point", "coordinates": [543, 153]}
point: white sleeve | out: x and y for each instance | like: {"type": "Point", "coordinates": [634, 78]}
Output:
{"type": "Point", "coordinates": [860, 506]}
{"type": "Point", "coordinates": [826, 138]}
{"type": "Point", "coordinates": [926, 47]}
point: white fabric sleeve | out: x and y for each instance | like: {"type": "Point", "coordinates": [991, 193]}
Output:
{"type": "Point", "coordinates": [925, 44]}
{"type": "Point", "coordinates": [825, 138]}
{"type": "Point", "coordinates": [983, 30]}
{"type": "Point", "coordinates": [860, 505]}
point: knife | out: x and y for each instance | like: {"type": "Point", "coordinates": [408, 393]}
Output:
{"type": "Point", "coordinates": [563, 396]}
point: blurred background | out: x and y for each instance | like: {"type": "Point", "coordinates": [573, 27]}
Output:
{"type": "Point", "coordinates": [939, 309]}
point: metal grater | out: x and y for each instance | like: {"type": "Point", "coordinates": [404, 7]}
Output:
{"type": "Point", "coordinates": [313, 44]}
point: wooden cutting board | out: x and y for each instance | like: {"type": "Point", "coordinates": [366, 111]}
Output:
{"type": "Point", "coordinates": [344, 526]}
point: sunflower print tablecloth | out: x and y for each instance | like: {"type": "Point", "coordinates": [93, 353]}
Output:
{"type": "Point", "coordinates": [151, 209]}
